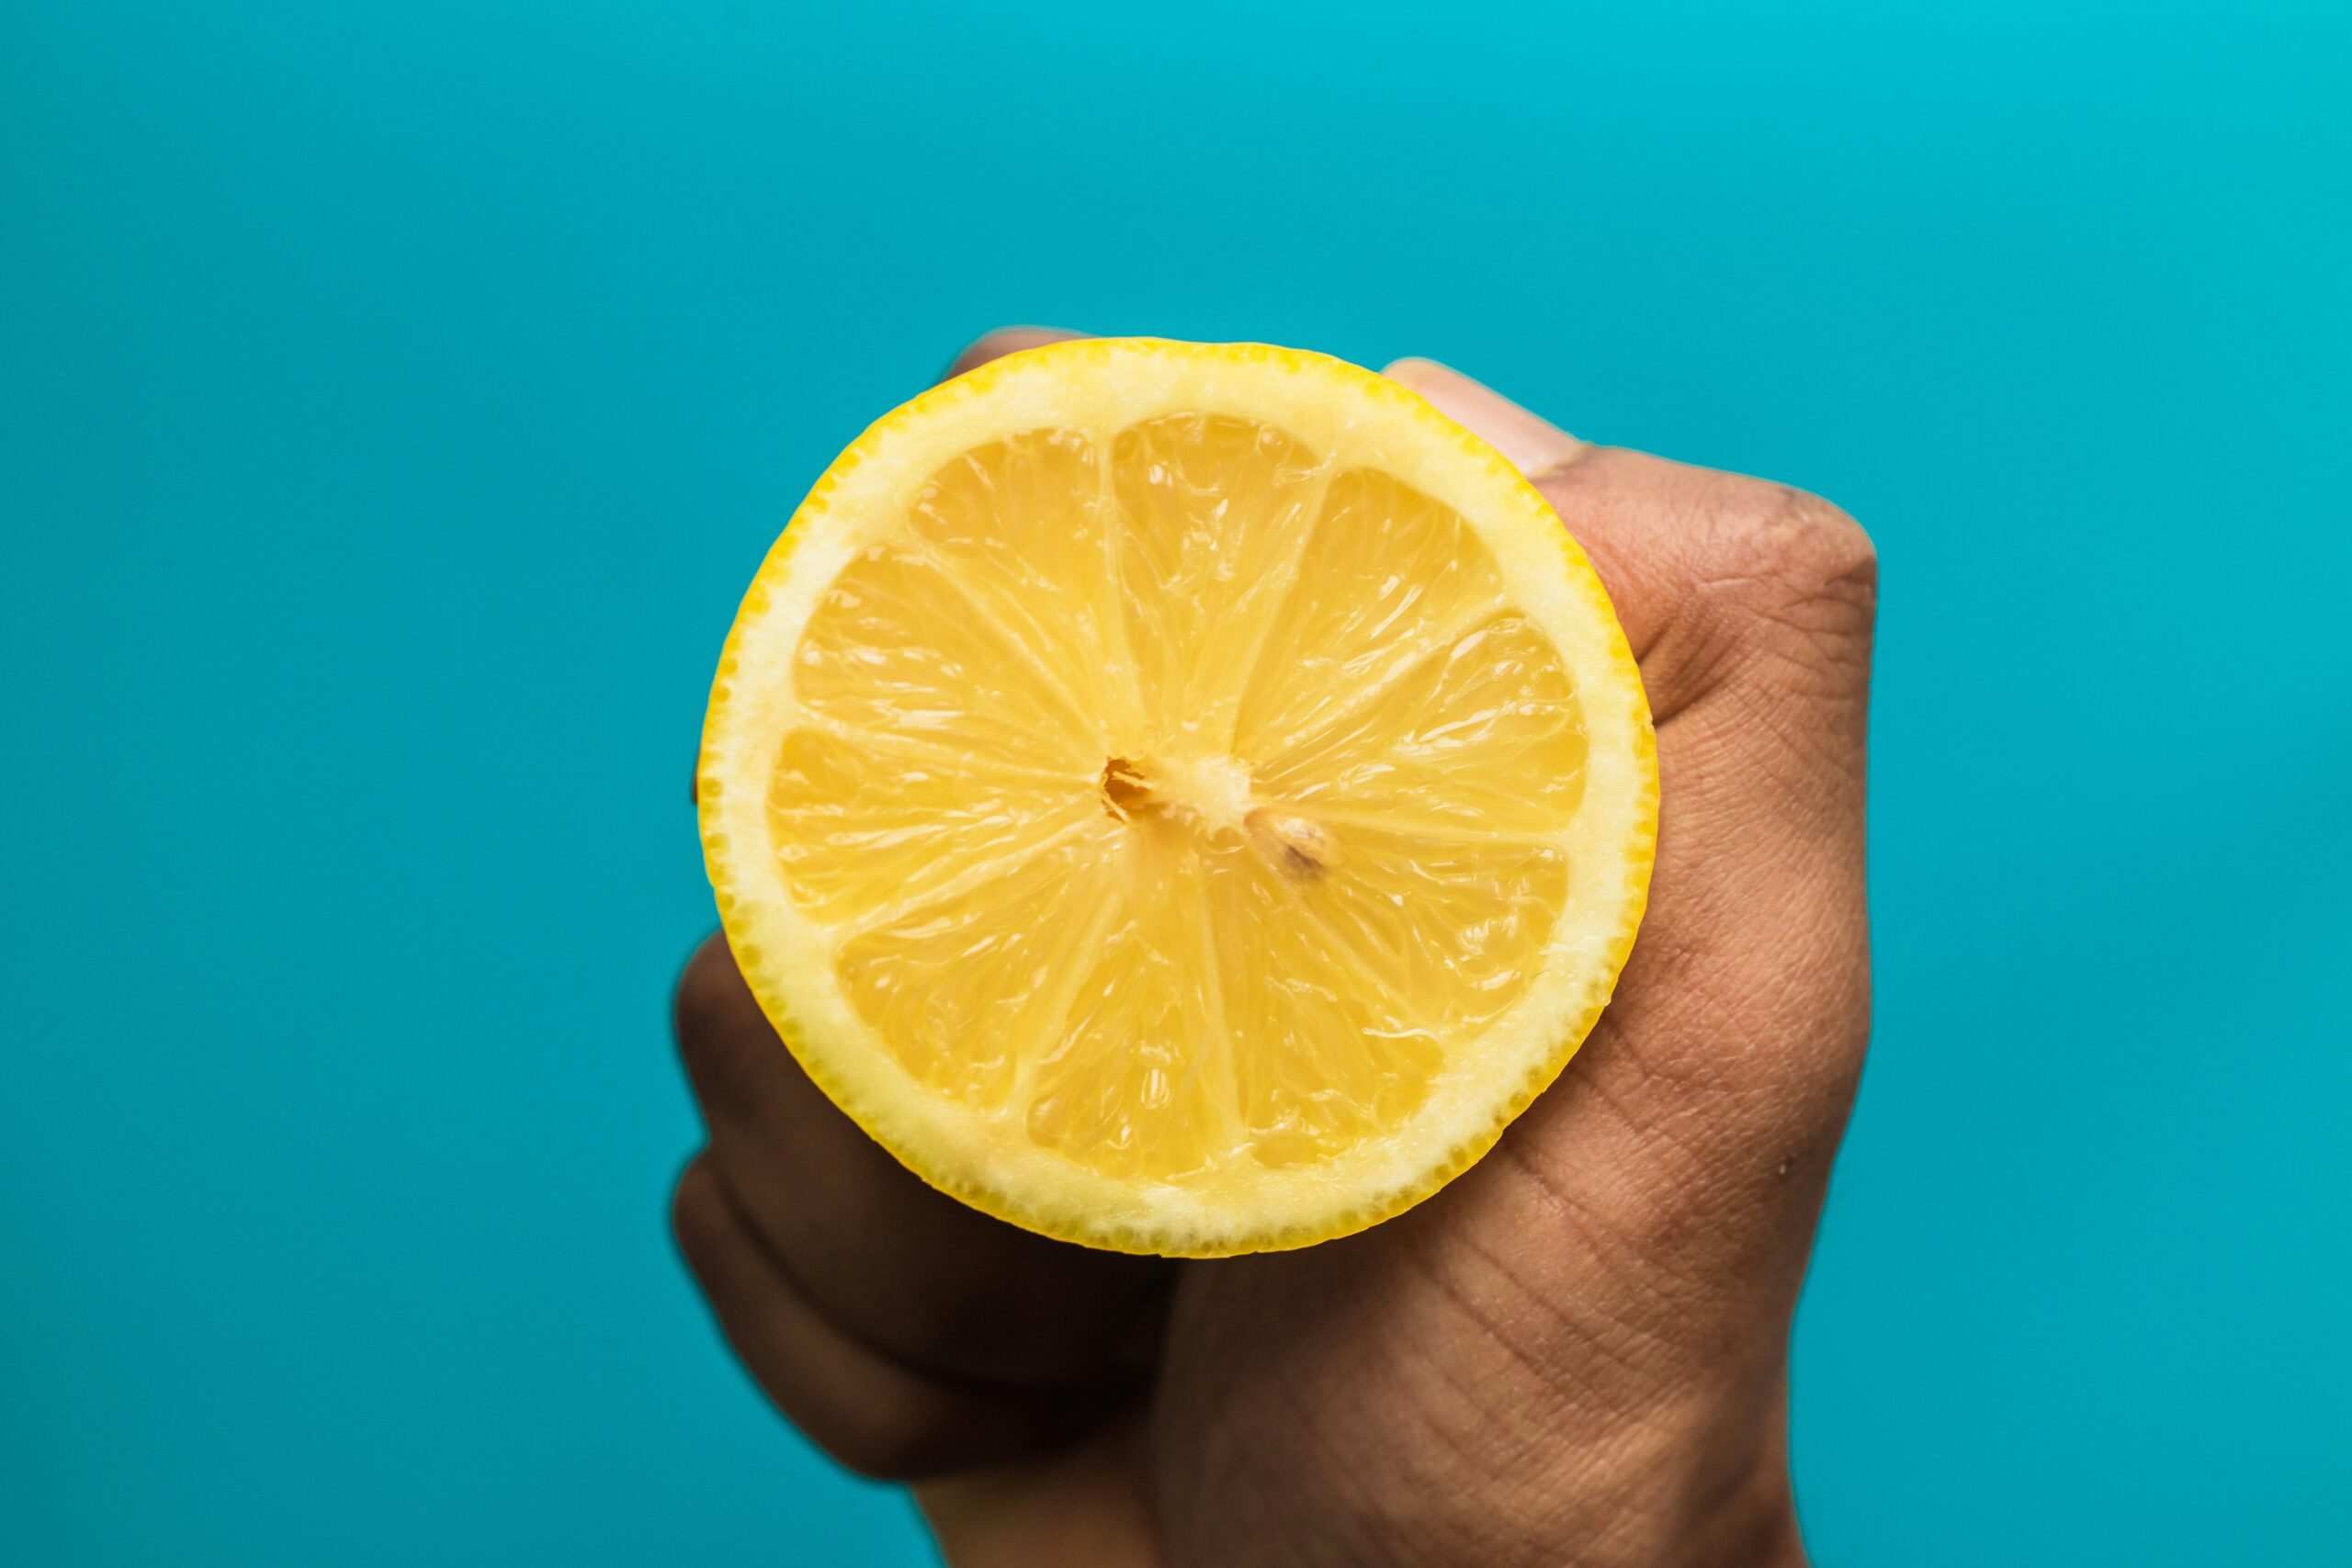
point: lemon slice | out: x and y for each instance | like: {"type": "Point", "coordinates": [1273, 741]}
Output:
{"type": "Point", "coordinates": [1179, 798]}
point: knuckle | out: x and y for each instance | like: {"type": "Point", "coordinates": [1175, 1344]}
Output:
{"type": "Point", "coordinates": [870, 1414]}
{"type": "Point", "coordinates": [913, 1431]}
{"type": "Point", "coordinates": [1783, 588]}
{"type": "Point", "coordinates": [697, 1214]}
{"type": "Point", "coordinates": [706, 1015]}
{"type": "Point", "coordinates": [896, 1426]}
{"type": "Point", "coordinates": [1775, 542]}
{"type": "Point", "coordinates": [884, 1443]}
{"type": "Point", "coordinates": [706, 986]}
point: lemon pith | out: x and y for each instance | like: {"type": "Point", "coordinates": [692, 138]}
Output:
{"type": "Point", "coordinates": [1180, 798]}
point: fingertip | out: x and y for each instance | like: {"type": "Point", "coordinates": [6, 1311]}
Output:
{"type": "Point", "coordinates": [1003, 341]}
{"type": "Point", "coordinates": [730, 1051]}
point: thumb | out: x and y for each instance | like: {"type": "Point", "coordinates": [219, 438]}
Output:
{"type": "Point", "coordinates": [1533, 444]}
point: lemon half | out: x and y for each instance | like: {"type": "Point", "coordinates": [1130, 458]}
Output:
{"type": "Point", "coordinates": [1179, 798]}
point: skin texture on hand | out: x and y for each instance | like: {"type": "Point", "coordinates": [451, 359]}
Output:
{"type": "Point", "coordinates": [1577, 1352]}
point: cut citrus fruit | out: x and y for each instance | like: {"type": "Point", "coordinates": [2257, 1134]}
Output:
{"type": "Point", "coordinates": [1180, 798]}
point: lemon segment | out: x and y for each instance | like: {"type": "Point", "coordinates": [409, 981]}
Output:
{"type": "Point", "coordinates": [1181, 798]}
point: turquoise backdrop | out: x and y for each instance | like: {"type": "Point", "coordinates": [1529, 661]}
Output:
{"type": "Point", "coordinates": [395, 395]}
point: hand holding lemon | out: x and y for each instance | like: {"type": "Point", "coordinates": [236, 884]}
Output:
{"type": "Point", "coordinates": [1187, 800]}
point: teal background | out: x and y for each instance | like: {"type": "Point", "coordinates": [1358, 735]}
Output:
{"type": "Point", "coordinates": [394, 398]}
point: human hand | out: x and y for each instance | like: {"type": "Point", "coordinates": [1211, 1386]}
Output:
{"type": "Point", "coordinates": [1575, 1353]}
